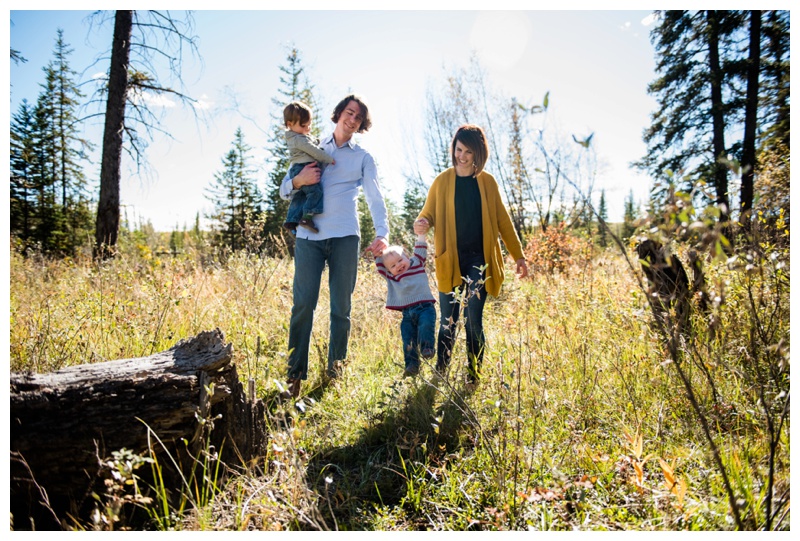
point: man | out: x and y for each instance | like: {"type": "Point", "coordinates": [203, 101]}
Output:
{"type": "Point", "coordinates": [337, 240]}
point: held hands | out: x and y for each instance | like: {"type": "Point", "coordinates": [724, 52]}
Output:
{"type": "Point", "coordinates": [377, 247]}
{"type": "Point", "coordinates": [421, 226]}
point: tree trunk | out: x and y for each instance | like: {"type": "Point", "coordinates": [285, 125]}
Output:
{"type": "Point", "coordinates": [107, 226]}
{"type": "Point", "coordinates": [64, 423]}
{"type": "Point", "coordinates": [720, 168]}
{"type": "Point", "coordinates": [750, 119]}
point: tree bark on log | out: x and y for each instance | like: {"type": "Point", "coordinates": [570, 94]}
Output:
{"type": "Point", "coordinates": [64, 423]}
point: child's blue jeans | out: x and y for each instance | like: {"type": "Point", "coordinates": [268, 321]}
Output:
{"type": "Point", "coordinates": [417, 330]}
{"type": "Point", "coordinates": [307, 201]}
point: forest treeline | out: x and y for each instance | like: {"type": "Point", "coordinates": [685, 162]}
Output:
{"type": "Point", "coordinates": [722, 89]}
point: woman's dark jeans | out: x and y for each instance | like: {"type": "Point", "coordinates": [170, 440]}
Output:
{"type": "Point", "coordinates": [450, 308]}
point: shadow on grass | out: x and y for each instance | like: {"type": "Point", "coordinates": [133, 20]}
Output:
{"type": "Point", "coordinates": [411, 432]}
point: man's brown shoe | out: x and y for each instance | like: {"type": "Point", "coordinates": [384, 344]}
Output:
{"type": "Point", "coordinates": [293, 385]}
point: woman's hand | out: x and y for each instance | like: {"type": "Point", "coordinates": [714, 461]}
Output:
{"type": "Point", "coordinates": [421, 226]}
{"type": "Point", "coordinates": [522, 268]}
{"type": "Point", "coordinates": [307, 176]}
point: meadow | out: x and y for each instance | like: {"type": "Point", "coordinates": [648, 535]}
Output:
{"type": "Point", "coordinates": [587, 416]}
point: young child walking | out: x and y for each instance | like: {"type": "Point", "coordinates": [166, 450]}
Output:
{"type": "Point", "coordinates": [303, 149]}
{"type": "Point", "coordinates": [408, 291]}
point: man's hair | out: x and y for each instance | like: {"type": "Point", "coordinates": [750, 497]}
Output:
{"type": "Point", "coordinates": [297, 111]}
{"type": "Point", "coordinates": [472, 137]}
{"type": "Point", "coordinates": [366, 122]}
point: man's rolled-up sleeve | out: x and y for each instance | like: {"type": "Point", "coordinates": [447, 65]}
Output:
{"type": "Point", "coordinates": [287, 190]}
{"type": "Point", "coordinates": [374, 197]}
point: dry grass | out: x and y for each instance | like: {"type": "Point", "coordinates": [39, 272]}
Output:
{"type": "Point", "coordinates": [578, 422]}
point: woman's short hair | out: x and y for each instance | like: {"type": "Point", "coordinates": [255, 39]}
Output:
{"type": "Point", "coordinates": [472, 137]}
{"type": "Point", "coordinates": [366, 122]}
{"type": "Point", "coordinates": [297, 111]}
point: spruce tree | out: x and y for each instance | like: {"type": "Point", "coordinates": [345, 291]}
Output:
{"type": "Point", "coordinates": [294, 86]}
{"type": "Point", "coordinates": [224, 198]}
{"type": "Point", "coordinates": [70, 148]}
{"type": "Point", "coordinates": [413, 201]}
{"type": "Point", "coordinates": [21, 201]}
{"type": "Point", "coordinates": [602, 212]}
{"type": "Point", "coordinates": [235, 195]}
{"type": "Point", "coordinates": [774, 82]}
{"type": "Point", "coordinates": [718, 71]}
{"type": "Point", "coordinates": [630, 216]}
{"type": "Point", "coordinates": [687, 132]}
{"type": "Point", "coordinates": [45, 164]}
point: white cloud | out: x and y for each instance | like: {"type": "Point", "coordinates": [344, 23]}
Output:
{"type": "Point", "coordinates": [202, 103]}
{"type": "Point", "coordinates": [625, 26]}
{"type": "Point", "coordinates": [650, 19]}
{"type": "Point", "coordinates": [152, 99]}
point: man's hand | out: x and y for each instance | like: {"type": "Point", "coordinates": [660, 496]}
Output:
{"type": "Point", "coordinates": [421, 226]}
{"type": "Point", "coordinates": [307, 176]}
{"type": "Point", "coordinates": [378, 246]}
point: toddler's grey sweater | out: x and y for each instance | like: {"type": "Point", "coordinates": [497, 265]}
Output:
{"type": "Point", "coordinates": [410, 287]}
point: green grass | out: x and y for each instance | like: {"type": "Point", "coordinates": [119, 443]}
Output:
{"type": "Point", "coordinates": [574, 377]}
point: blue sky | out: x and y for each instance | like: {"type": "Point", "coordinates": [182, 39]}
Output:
{"type": "Point", "coordinates": [595, 64]}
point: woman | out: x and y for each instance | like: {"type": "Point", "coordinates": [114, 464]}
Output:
{"type": "Point", "coordinates": [467, 215]}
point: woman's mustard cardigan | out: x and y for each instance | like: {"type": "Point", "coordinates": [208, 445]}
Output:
{"type": "Point", "coordinates": [439, 210]}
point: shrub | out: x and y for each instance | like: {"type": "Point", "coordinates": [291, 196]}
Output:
{"type": "Point", "coordinates": [556, 250]}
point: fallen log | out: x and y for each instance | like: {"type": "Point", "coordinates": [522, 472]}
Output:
{"type": "Point", "coordinates": [64, 423]}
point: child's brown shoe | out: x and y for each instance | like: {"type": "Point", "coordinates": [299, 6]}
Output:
{"type": "Point", "coordinates": [308, 223]}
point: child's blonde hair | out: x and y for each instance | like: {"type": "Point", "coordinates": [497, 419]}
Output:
{"type": "Point", "coordinates": [394, 249]}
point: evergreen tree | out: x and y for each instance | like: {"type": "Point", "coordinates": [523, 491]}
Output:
{"type": "Point", "coordinates": [17, 57]}
{"type": "Point", "coordinates": [196, 234]}
{"type": "Point", "coordinates": [235, 195]}
{"type": "Point", "coordinates": [602, 212]}
{"type": "Point", "coordinates": [413, 201]}
{"type": "Point", "coordinates": [687, 132]}
{"type": "Point", "coordinates": [70, 148]}
{"type": "Point", "coordinates": [718, 71]}
{"type": "Point", "coordinates": [629, 217]}
{"type": "Point", "coordinates": [21, 203]}
{"type": "Point", "coordinates": [176, 240]}
{"type": "Point", "coordinates": [774, 82]}
{"type": "Point", "coordinates": [69, 175]}
{"type": "Point", "coordinates": [750, 117]}
{"type": "Point", "coordinates": [764, 75]}
{"type": "Point", "coordinates": [365, 223]}
{"type": "Point", "coordinates": [45, 164]}
{"type": "Point", "coordinates": [294, 86]}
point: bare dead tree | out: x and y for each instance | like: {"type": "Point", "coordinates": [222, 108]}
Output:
{"type": "Point", "coordinates": [529, 162]}
{"type": "Point", "coordinates": [143, 43]}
